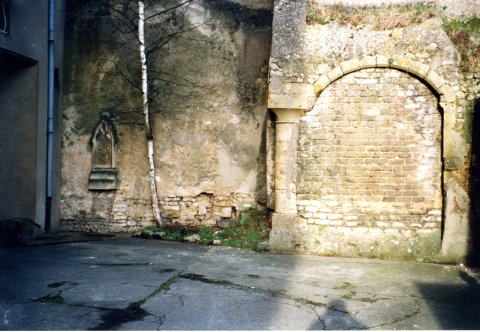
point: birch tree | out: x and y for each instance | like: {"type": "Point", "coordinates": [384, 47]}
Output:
{"type": "Point", "coordinates": [146, 114]}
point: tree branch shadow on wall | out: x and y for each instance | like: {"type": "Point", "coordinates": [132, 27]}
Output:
{"type": "Point", "coordinates": [473, 258]}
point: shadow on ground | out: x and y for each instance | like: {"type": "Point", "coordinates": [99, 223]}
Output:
{"type": "Point", "coordinates": [455, 306]}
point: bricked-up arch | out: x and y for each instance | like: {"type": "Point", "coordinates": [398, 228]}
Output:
{"type": "Point", "coordinates": [369, 154]}
{"type": "Point", "coordinates": [453, 156]}
{"type": "Point", "coordinates": [291, 231]}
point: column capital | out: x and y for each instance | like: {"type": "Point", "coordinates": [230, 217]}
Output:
{"type": "Point", "coordinates": [289, 115]}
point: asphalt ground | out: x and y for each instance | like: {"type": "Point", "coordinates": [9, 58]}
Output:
{"type": "Point", "coordinates": [80, 282]}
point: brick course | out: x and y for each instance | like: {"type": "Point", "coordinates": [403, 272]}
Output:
{"type": "Point", "coordinates": [369, 154]}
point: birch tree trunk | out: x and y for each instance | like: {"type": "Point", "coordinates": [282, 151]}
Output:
{"type": "Point", "coordinates": [146, 114]}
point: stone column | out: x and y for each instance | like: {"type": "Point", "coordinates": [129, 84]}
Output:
{"type": "Point", "coordinates": [286, 134]}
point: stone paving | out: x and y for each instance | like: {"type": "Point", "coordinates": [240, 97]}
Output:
{"type": "Point", "coordinates": [122, 283]}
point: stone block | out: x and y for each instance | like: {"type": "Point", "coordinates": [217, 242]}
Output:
{"type": "Point", "coordinates": [171, 214]}
{"type": "Point", "coordinates": [225, 223]}
{"type": "Point", "coordinates": [419, 69]}
{"type": "Point", "coordinates": [382, 61]}
{"type": "Point", "coordinates": [449, 95]}
{"type": "Point", "coordinates": [287, 221]}
{"type": "Point", "coordinates": [297, 97]}
{"type": "Point", "coordinates": [103, 179]}
{"type": "Point", "coordinates": [401, 62]}
{"type": "Point", "coordinates": [349, 66]}
{"type": "Point", "coordinates": [335, 74]}
{"type": "Point", "coordinates": [368, 62]}
{"type": "Point", "coordinates": [321, 84]}
{"type": "Point", "coordinates": [454, 150]}
{"type": "Point", "coordinates": [434, 80]}
{"type": "Point", "coordinates": [226, 212]}
{"type": "Point", "coordinates": [457, 228]}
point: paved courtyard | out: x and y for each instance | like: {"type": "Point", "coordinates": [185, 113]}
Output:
{"type": "Point", "coordinates": [121, 283]}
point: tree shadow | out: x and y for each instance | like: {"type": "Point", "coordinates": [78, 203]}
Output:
{"type": "Point", "coordinates": [336, 317]}
{"type": "Point", "coordinates": [455, 306]}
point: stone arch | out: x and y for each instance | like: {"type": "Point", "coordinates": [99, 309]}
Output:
{"type": "Point", "coordinates": [420, 70]}
{"type": "Point", "coordinates": [453, 140]}
{"type": "Point", "coordinates": [290, 230]}
{"type": "Point", "coordinates": [453, 154]}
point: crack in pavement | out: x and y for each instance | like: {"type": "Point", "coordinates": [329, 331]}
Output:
{"type": "Point", "coordinates": [5, 320]}
{"type": "Point", "coordinates": [112, 318]}
{"type": "Point", "coordinates": [404, 317]}
{"type": "Point", "coordinates": [269, 292]}
{"type": "Point", "coordinates": [302, 301]}
{"type": "Point", "coordinates": [134, 312]}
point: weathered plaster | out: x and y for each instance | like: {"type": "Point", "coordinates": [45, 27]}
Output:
{"type": "Point", "coordinates": [208, 122]}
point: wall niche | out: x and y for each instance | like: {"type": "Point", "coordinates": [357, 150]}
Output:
{"type": "Point", "coordinates": [104, 174]}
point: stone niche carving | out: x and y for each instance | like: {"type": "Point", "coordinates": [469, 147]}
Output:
{"type": "Point", "coordinates": [103, 175]}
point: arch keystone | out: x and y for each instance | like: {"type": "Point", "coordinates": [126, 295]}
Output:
{"type": "Point", "coordinates": [382, 61]}
{"type": "Point", "coordinates": [368, 62]}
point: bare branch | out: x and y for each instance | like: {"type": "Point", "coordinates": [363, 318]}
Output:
{"type": "Point", "coordinates": [167, 10]}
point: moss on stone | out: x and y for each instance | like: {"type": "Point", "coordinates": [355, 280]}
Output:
{"type": "Point", "coordinates": [469, 113]}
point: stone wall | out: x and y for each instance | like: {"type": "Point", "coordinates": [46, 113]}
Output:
{"type": "Point", "coordinates": [405, 85]}
{"type": "Point", "coordinates": [209, 109]}
{"type": "Point", "coordinates": [204, 210]}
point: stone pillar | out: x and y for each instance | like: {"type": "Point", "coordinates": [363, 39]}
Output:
{"type": "Point", "coordinates": [286, 134]}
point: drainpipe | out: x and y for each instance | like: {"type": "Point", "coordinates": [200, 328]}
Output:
{"type": "Point", "coordinates": [51, 103]}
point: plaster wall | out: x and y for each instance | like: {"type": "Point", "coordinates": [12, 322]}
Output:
{"type": "Point", "coordinates": [209, 121]}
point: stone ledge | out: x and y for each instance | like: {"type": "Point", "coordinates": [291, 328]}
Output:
{"type": "Point", "coordinates": [353, 242]}
{"type": "Point", "coordinates": [103, 179]}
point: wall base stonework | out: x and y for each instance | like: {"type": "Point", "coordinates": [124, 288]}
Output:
{"type": "Point", "coordinates": [130, 215]}
{"type": "Point", "coordinates": [291, 234]}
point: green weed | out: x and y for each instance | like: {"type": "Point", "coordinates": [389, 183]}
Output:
{"type": "Point", "coordinates": [206, 235]}
{"type": "Point", "coordinates": [174, 236]}
{"type": "Point", "coordinates": [463, 34]}
{"type": "Point", "coordinates": [251, 228]}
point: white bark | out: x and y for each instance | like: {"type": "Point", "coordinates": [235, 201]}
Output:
{"type": "Point", "coordinates": [146, 113]}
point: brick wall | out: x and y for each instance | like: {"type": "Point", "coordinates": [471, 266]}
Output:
{"type": "Point", "coordinates": [370, 154]}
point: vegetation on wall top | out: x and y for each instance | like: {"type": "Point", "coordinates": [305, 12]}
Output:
{"type": "Point", "coordinates": [466, 37]}
{"type": "Point", "coordinates": [378, 18]}
{"type": "Point", "coordinates": [465, 34]}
